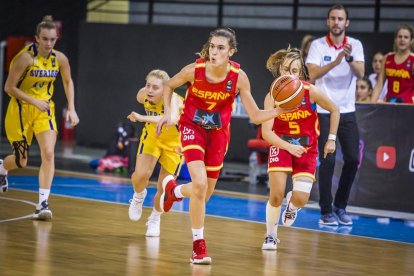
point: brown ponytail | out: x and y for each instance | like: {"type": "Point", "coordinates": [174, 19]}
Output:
{"type": "Point", "coordinates": [47, 23]}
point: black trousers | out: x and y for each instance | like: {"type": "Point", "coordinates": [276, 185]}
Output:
{"type": "Point", "coordinates": [348, 137]}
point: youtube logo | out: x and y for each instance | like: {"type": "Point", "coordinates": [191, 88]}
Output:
{"type": "Point", "coordinates": [386, 157]}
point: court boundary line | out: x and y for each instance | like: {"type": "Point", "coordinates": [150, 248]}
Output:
{"type": "Point", "coordinates": [18, 200]}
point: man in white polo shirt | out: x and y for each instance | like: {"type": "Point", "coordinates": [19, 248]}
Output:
{"type": "Point", "coordinates": [335, 61]}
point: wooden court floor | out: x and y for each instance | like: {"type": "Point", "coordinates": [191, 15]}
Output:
{"type": "Point", "coordinates": [89, 237]}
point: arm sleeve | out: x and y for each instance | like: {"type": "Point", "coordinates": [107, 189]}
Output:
{"type": "Point", "coordinates": [358, 51]}
{"type": "Point", "coordinates": [313, 54]}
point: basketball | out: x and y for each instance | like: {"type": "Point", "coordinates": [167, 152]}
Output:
{"type": "Point", "coordinates": [287, 91]}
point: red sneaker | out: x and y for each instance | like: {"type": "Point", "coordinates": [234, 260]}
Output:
{"type": "Point", "coordinates": [200, 255]}
{"type": "Point", "coordinates": [168, 197]}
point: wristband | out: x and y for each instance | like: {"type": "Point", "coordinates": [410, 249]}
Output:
{"type": "Point", "coordinates": [349, 59]}
{"type": "Point", "coordinates": [332, 137]}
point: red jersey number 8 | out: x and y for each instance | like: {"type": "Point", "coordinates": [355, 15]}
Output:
{"type": "Point", "coordinates": [396, 87]}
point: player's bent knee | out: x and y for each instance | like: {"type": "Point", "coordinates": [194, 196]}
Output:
{"type": "Point", "coordinates": [138, 178]}
{"type": "Point", "coordinates": [49, 155]}
{"type": "Point", "coordinates": [302, 184]}
{"type": "Point", "coordinates": [276, 200]}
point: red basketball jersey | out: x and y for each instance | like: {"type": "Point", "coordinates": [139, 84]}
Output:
{"type": "Point", "coordinates": [300, 126]}
{"type": "Point", "coordinates": [400, 79]}
{"type": "Point", "coordinates": [211, 97]}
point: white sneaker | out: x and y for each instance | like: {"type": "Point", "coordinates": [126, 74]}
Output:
{"type": "Point", "coordinates": [270, 243]}
{"type": "Point", "coordinates": [135, 207]}
{"type": "Point", "coordinates": [288, 215]}
{"type": "Point", "coordinates": [43, 213]}
{"type": "Point", "coordinates": [4, 184]}
{"type": "Point", "coordinates": [153, 226]}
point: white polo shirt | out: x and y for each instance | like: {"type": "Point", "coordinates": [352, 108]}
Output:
{"type": "Point", "coordinates": [339, 83]}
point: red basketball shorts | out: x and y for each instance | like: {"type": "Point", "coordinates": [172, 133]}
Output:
{"type": "Point", "coordinates": [208, 145]}
{"type": "Point", "coordinates": [282, 161]}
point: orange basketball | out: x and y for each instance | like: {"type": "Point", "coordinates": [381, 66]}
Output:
{"type": "Point", "coordinates": [287, 91]}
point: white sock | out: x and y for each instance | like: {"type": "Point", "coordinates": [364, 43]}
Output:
{"type": "Point", "coordinates": [198, 234]}
{"type": "Point", "coordinates": [177, 192]}
{"type": "Point", "coordinates": [292, 207]}
{"type": "Point", "coordinates": [43, 195]}
{"type": "Point", "coordinates": [140, 195]}
{"type": "Point", "coordinates": [155, 214]}
{"type": "Point", "coordinates": [272, 219]}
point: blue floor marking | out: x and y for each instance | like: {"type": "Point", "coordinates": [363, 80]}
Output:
{"type": "Point", "coordinates": [221, 205]}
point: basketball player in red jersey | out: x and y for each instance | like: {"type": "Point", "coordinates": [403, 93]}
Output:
{"type": "Point", "coordinates": [398, 69]}
{"type": "Point", "coordinates": [213, 83]}
{"type": "Point", "coordinates": [293, 139]}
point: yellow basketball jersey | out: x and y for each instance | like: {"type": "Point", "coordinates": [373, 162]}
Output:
{"type": "Point", "coordinates": [37, 81]}
{"type": "Point", "coordinates": [158, 110]}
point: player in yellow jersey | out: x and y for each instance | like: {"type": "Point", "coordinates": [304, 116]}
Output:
{"type": "Point", "coordinates": [164, 148]}
{"type": "Point", "coordinates": [31, 110]}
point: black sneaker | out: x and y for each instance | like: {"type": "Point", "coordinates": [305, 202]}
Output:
{"type": "Point", "coordinates": [44, 213]}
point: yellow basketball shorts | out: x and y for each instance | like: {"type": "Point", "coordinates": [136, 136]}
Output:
{"type": "Point", "coordinates": [167, 152]}
{"type": "Point", "coordinates": [23, 120]}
